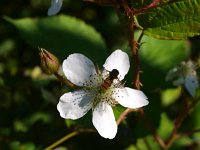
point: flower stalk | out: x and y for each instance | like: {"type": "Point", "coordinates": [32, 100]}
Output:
{"type": "Point", "coordinates": [67, 137]}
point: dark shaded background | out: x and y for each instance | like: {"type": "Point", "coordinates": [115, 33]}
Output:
{"type": "Point", "coordinates": [28, 115]}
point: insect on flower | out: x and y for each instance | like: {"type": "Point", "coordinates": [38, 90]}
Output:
{"type": "Point", "coordinates": [101, 90]}
{"type": "Point", "coordinates": [109, 80]}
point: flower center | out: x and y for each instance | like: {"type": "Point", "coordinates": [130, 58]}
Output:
{"type": "Point", "coordinates": [101, 88]}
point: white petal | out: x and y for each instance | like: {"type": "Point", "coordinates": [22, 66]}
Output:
{"type": "Point", "coordinates": [78, 69]}
{"type": "Point", "coordinates": [191, 84]}
{"type": "Point", "coordinates": [74, 105]}
{"type": "Point", "coordinates": [104, 120]}
{"type": "Point", "coordinates": [130, 98]}
{"type": "Point", "coordinates": [55, 7]}
{"type": "Point", "coordinates": [118, 60]}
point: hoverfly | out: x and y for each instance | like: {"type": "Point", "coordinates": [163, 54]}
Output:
{"type": "Point", "coordinates": [109, 80]}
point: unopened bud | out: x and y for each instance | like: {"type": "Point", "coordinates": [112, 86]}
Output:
{"type": "Point", "coordinates": [49, 62]}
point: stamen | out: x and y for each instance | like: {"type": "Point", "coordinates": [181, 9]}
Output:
{"type": "Point", "coordinates": [93, 87]}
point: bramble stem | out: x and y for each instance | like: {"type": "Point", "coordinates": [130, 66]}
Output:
{"type": "Point", "coordinates": [134, 45]}
{"type": "Point", "coordinates": [188, 133]}
{"type": "Point", "coordinates": [123, 115]}
{"type": "Point", "coordinates": [179, 120]}
{"type": "Point", "coordinates": [134, 51]}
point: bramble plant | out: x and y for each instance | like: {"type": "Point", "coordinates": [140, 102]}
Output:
{"type": "Point", "coordinates": [158, 97]}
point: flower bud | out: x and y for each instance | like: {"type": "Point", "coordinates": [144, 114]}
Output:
{"type": "Point", "coordinates": [49, 62]}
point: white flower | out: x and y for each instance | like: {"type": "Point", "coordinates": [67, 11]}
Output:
{"type": "Point", "coordinates": [185, 74]}
{"type": "Point", "coordinates": [55, 7]}
{"type": "Point", "coordinates": [82, 72]}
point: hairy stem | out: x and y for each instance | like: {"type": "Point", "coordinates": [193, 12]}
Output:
{"type": "Point", "coordinates": [132, 43]}
{"type": "Point", "coordinates": [134, 46]}
{"type": "Point", "coordinates": [123, 115]}
{"type": "Point", "coordinates": [134, 51]}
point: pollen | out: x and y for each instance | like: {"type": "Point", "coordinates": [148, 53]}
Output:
{"type": "Point", "coordinates": [104, 97]}
{"type": "Point", "coordinates": [93, 86]}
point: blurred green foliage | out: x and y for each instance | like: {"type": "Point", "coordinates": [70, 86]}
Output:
{"type": "Point", "coordinates": [28, 97]}
{"type": "Point", "coordinates": [59, 33]}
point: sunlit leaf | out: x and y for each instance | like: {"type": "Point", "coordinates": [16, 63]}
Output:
{"type": "Point", "coordinates": [20, 126]}
{"type": "Point", "coordinates": [62, 35]}
{"type": "Point", "coordinates": [16, 145]}
{"type": "Point", "coordinates": [157, 57]}
{"type": "Point", "coordinates": [182, 143]}
{"type": "Point", "coordinates": [6, 47]}
{"type": "Point", "coordinates": [144, 144]}
{"type": "Point", "coordinates": [166, 126]}
{"type": "Point", "coordinates": [176, 20]}
{"type": "Point", "coordinates": [169, 96]}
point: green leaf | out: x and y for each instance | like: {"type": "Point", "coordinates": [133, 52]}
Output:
{"type": "Point", "coordinates": [166, 126]}
{"type": "Point", "coordinates": [62, 35]}
{"type": "Point", "coordinates": [192, 122]}
{"type": "Point", "coordinates": [144, 144]}
{"type": "Point", "coordinates": [157, 57]}
{"type": "Point", "coordinates": [177, 20]}
{"type": "Point", "coordinates": [169, 96]}
{"type": "Point", "coordinates": [16, 145]}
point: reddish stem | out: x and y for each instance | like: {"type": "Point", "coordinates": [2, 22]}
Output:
{"type": "Point", "coordinates": [123, 116]}
{"type": "Point", "coordinates": [134, 45]}
{"type": "Point", "coordinates": [179, 120]}
{"type": "Point", "coordinates": [188, 133]}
